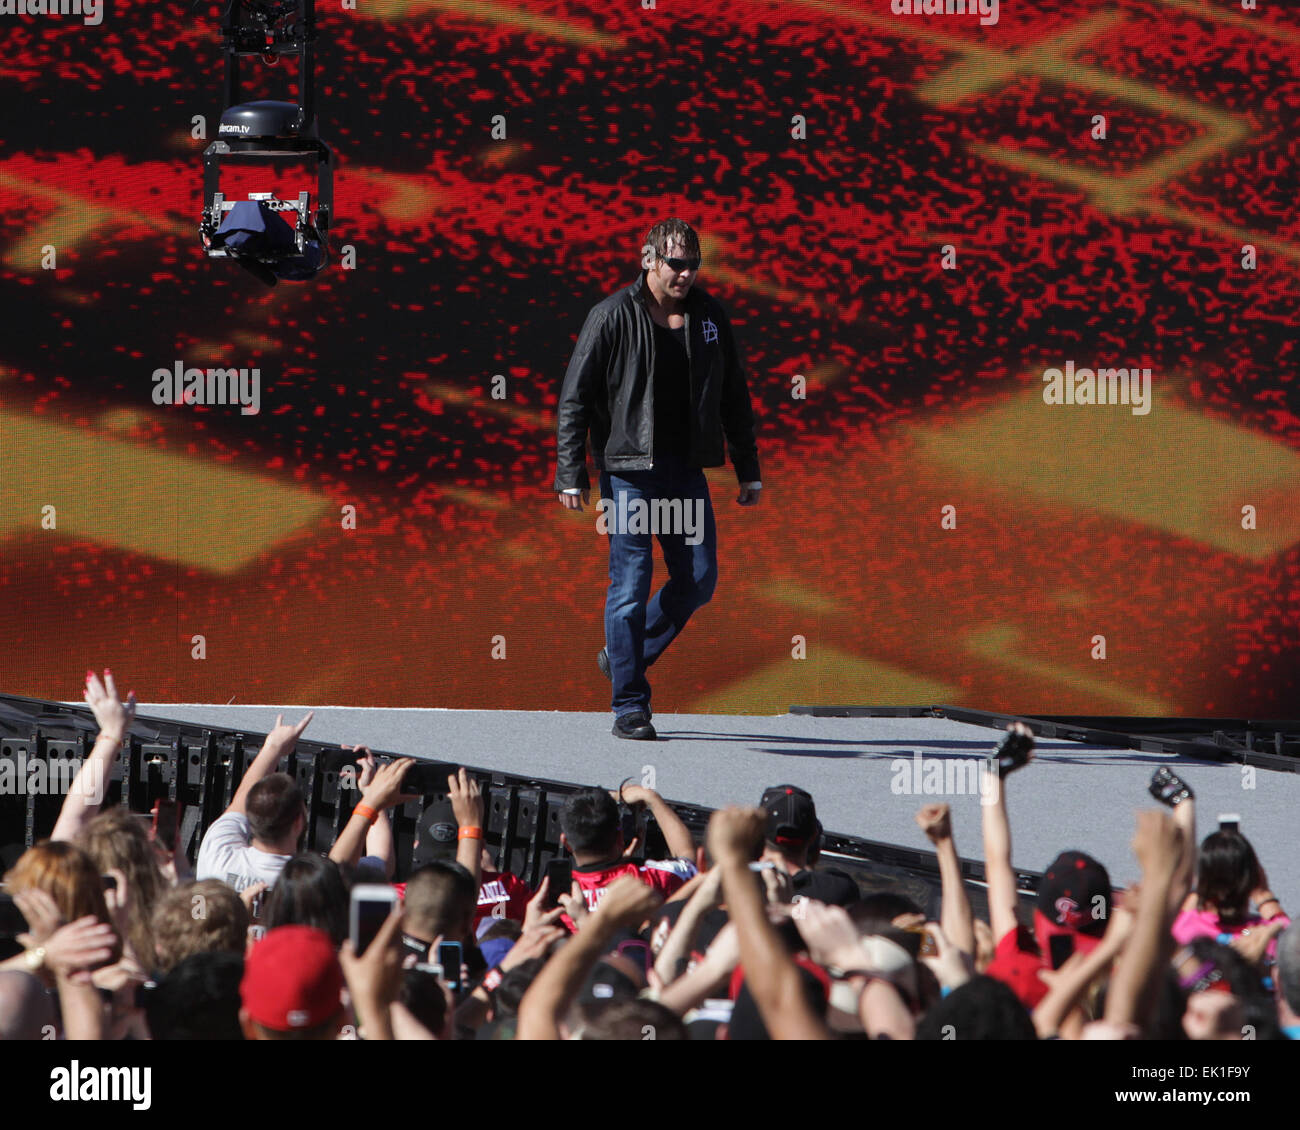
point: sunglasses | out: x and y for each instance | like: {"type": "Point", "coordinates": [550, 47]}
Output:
{"type": "Point", "coordinates": [680, 265]}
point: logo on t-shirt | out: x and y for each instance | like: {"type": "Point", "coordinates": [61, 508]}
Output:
{"type": "Point", "coordinates": [710, 331]}
{"type": "Point", "coordinates": [492, 891]}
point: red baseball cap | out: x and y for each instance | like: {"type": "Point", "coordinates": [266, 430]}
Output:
{"type": "Point", "coordinates": [292, 979]}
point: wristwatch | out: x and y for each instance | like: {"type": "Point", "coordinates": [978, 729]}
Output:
{"type": "Point", "coordinates": [35, 958]}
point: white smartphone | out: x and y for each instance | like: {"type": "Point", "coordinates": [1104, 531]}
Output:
{"type": "Point", "coordinates": [372, 903]}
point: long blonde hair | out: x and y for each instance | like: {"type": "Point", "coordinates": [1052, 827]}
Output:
{"type": "Point", "coordinates": [117, 839]}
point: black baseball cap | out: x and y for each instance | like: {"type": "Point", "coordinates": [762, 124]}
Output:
{"type": "Point", "coordinates": [791, 816]}
{"type": "Point", "coordinates": [436, 834]}
{"type": "Point", "coordinates": [1075, 894]}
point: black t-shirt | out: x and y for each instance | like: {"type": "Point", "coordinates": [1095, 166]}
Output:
{"type": "Point", "coordinates": [672, 384]}
{"type": "Point", "coordinates": [834, 888]}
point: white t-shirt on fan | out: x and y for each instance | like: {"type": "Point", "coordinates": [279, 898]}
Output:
{"type": "Point", "coordinates": [226, 853]}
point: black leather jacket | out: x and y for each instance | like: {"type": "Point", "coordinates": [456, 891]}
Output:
{"type": "Point", "coordinates": [609, 389]}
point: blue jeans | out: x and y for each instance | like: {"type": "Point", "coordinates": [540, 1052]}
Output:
{"type": "Point", "coordinates": [639, 627]}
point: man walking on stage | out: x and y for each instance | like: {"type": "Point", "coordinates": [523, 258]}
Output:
{"type": "Point", "coordinates": [656, 379]}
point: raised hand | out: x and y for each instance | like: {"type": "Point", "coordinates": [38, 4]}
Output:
{"type": "Point", "coordinates": [536, 914]}
{"type": "Point", "coordinates": [248, 896]}
{"type": "Point", "coordinates": [369, 765]}
{"type": "Point", "coordinates": [1015, 751]}
{"type": "Point", "coordinates": [950, 965]}
{"type": "Point", "coordinates": [935, 820]}
{"type": "Point", "coordinates": [385, 790]}
{"type": "Point", "coordinates": [778, 886]}
{"type": "Point", "coordinates": [283, 737]}
{"type": "Point", "coordinates": [574, 904]}
{"type": "Point", "coordinates": [374, 979]}
{"type": "Point", "coordinates": [114, 716]}
{"type": "Point", "coordinates": [1157, 843]}
{"type": "Point", "coordinates": [466, 799]}
{"type": "Point", "coordinates": [532, 943]}
{"type": "Point", "coordinates": [832, 937]}
{"type": "Point", "coordinates": [735, 834]}
{"type": "Point", "coordinates": [627, 902]}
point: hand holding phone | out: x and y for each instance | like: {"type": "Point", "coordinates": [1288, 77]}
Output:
{"type": "Point", "coordinates": [371, 904]}
{"type": "Point", "coordinates": [929, 947]}
{"type": "Point", "coordinates": [559, 876]}
{"type": "Point", "coordinates": [451, 955]}
{"type": "Point", "coordinates": [1060, 948]}
{"type": "Point", "coordinates": [1169, 789]}
{"type": "Point", "coordinates": [1015, 750]}
{"type": "Point", "coordinates": [166, 823]}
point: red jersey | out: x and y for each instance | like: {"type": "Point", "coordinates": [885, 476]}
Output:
{"type": "Point", "coordinates": [666, 876]}
{"type": "Point", "coordinates": [496, 890]}
{"type": "Point", "coordinates": [502, 895]}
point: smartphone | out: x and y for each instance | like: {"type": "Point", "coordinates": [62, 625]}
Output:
{"type": "Point", "coordinates": [1229, 822]}
{"type": "Point", "coordinates": [450, 957]}
{"type": "Point", "coordinates": [928, 946]}
{"type": "Point", "coordinates": [372, 903]}
{"type": "Point", "coordinates": [627, 824]}
{"type": "Point", "coordinates": [426, 777]}
{"type": "Point", "coordinates": [1168, 788]}
{"type": "Point", "coordinates": [1013, 752]}
{"type": "Point", "coordinates": [559, 874]}
{"type": "Point", "coordinates": [166, 823]}
{"type": "Point", "coordinates": [1060, 948]}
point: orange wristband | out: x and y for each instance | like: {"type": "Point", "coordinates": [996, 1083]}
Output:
{"type": "Point", "coordinates": [470, 834]}
{"type": "Point", "coordinates": [366, 811]}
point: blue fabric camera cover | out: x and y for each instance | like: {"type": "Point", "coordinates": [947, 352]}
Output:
{"type": "Point", "coordinates": [250, 228]}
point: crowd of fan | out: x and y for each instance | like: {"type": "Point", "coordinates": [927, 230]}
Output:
{"type": "Point", "coordinates": [121, 942]}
